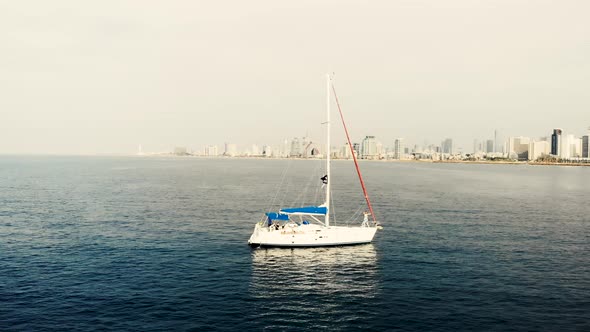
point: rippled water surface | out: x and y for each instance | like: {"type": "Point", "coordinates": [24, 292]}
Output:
{"type": "Point", "coordinates": [105, 243]}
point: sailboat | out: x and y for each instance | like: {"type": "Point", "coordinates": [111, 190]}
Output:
{"type": "Point", "coordinates": [309, 226]}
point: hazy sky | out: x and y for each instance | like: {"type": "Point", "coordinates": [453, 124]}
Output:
{"type": "Point", "coordinates": [105, 76]}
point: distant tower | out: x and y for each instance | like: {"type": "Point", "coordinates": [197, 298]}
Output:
{"type": "Point", "coordinates": [489, 146]}
{"type": "Point", "coordinates": [369, 147]}
{"type": "Point", "coordinates": [295, 148]}
{"type": "Point", "coordinates": [447, 146]}
{"type": "Point", "coordinates": [398, 148]}
{"type": "Point", "coordinates": [495, 139]}
{"type": "Point", "coordinates": [586, 146]}
{"type": "Point", "coordinates": [356, 147]}
{"type": "Point", "coordinates": [139, 150]}
{"type": "Point", "coordinates": [556, 141]}
{"type": "Point", "coordinates": [286, 148]}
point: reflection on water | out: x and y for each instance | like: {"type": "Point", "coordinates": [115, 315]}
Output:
{"type": "Point", "coordinates": [331, 282]}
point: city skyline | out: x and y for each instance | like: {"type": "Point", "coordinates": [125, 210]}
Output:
{"type": "Point", "coordinates": [101, 78]}
{"type": "Point", "coordinates": [560, 144]}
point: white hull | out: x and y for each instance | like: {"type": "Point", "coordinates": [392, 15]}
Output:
{"type": "Point", "coordinates": [310, 235]}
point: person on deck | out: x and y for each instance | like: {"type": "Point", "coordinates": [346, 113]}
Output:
{"type": "Point", "coordinates": [366, 215]}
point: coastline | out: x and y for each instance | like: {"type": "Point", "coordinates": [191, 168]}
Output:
{"type": "Point", "coordinates": [171, 156]}
{"type": "Point", "coordinates": [476, 162]}
{"type": "Point", "coordinates": [531, 163]}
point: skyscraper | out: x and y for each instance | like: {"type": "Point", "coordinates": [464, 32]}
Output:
{"type": "Point", "coordinates": [538, 149]}
{"type": "Point", "coordinates": [447, 146]}
{"type": "Point", "coordinates": [490, 146]}
{"type": "Point", "coordinates": [369, 147]}
{"type": "Point", "coordinates": [565, 146]}
{"type": "Point", "coordinates": [345, 151]}
{"type": "Point", "coordinates": [519, 146]}
{"type": "Point", "coordinates": [495, 140]}
{"type": "Point", "coordinates": [211, 151]}
{"type": "Point", "coordinates": [357, 148]}
{"type": "Point", "coordinates": [556, 141]}
{"type": "Point", "coordinates": [586, 146]}
{"type": "Point", "coordinates": [576, 146]}
{"type": "Point", "coordinates": [380, 149]}
{"type": "Point", "coordinates": [286, 149]}
{"type": "Point", "coordinates": [398, 148]}
{"type": "Point", "coordinates": [295, 150]}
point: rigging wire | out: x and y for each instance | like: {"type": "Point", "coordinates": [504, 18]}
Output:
{"type": "Point", "coordinates": [356, 215]}
{"type": "Point", "coordinates": [358, 170]}
{"type": "Point", "coordinates": [283, 177]}
{"type": "Point", "coordinates": [298, 198]}
{"type": "Point", "coordinates": [304, 195]}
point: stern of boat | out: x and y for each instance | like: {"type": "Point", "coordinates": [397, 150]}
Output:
{"type": "Point", "coordinates": [255, 237]}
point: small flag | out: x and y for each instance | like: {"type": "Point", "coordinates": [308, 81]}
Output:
{"type": "Point", "coordinates": [324, 179]}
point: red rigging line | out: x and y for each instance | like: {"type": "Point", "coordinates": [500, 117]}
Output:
{"type": "Point", "coordinates": [356, 164]}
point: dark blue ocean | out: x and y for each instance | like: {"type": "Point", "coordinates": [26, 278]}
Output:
{"type": "Point", "coordinates": [160, 244]}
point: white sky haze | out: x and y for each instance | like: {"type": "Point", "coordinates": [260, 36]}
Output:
{"type": "Point", "coordinates": [105, 76]}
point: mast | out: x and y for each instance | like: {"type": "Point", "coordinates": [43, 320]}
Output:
{"type": "Point", "coordinates": [328, 150]}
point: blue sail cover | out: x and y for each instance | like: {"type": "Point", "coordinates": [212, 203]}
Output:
{"type": "Point", "coordinates": [277, 216]}
{"type": "Point", "coordinates": [310, 210]}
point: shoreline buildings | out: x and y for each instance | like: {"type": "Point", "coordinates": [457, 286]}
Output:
{"type": "Point", "coordinates": [369, 148]}
{"type": "Point", "coordinates": [559, 146]}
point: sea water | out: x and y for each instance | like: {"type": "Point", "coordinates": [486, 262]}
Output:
{"type": "Point", "coordinates": [160, 244]}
